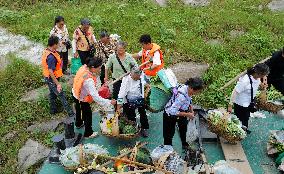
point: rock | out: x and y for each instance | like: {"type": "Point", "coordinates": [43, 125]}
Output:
{"type": "Point", "coordinates": [45, 126]}
{"type": "Point", "coordinates": [276, 5]}
{"type": "Point", "coordinates": [161, 3]}
{"type": "Point", "coordinates": [185, 70]}
{"type": "Point", "coordinates": [32, 153]}
{"type": "Point", "coordinates": [214, 42]}
{"type": "Point", "coordinates": [236, 33]}
{"type": "Point", "coordinates": [9, 136]}
{"type": "Point", "coordinates": [197, 2]}
{"type": "Point", "coordinates": [36, 94]}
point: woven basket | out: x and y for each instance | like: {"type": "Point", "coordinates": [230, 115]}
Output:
{"type": "Point", "coordinates": [220, 130]}
{"type": "Point", "coordinates": [158, 99]}
{"type": "Point", "coordinates": [262, 103]}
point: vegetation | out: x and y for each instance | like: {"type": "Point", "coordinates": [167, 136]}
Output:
{"type": "Point", "coordinates": [182, 31]}
{"type": "Point", "coordinates": [15, 80]}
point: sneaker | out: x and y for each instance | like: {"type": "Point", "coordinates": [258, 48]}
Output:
{"type": "Point", "coordinates": [79, 127]}
{"type": "Point", "coordinates": [94, 135]}
{"type": "Point", "coordinates": [144, 133]}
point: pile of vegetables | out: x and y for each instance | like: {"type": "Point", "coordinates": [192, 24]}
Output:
{"type": "Point", "coordinates": [126, 126]}
{"type": "Point", "coordinates": [273, 94]}
{"type": "Point", "coordinates": [275, 147]}
{"type": "Point", "coordinates": [227, 126]}
{"type": "Point", "coordinates": [70, 157]}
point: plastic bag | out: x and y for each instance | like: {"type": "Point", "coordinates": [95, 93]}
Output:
{"type": "Point", "coordinates": [168, 78]}
{"type": "Point", "coordinates": [222, 167]}
{"type": "Point", "coordinates": [161, 150]}
{"type": "Point", "coordinates": [75, 65]}
{"type": "Point", "coordinates": [192, 131]}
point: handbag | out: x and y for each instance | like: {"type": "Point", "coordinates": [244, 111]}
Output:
{"type": "Point", "coordinates": [252, 106]}
{"type": "Point", "coordinates": [136, 103]}
{"type": "Point", "coordinates": [92, 48]}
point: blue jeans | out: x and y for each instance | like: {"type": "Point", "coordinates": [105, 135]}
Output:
{"type": "Point", "coordinates": [53, 96]}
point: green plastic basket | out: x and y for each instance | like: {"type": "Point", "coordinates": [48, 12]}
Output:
{"type": "Point", "coordinates": [158, 99]}
{"type": "Point", "coordinates": [75, 65]}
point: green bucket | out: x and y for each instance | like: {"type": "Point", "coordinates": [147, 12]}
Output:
{"type": "Point", "coordinates": [158, 99]}
{"type": "Point", "coordinates": [75, 65]}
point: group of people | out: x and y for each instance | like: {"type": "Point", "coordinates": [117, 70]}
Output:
{"type": "Point", "coordinates": [107, 60]}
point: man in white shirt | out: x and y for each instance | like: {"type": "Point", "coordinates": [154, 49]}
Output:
{"type": "Point", "coordinates": [131, 97]}
{"type": "Point", "coordinates": [150, 52]}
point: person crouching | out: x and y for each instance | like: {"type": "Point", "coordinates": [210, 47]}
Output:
{"type": "Point", "coordinates": [179, 110]}
{"type": "Point", "coordinates": [85, 92]}
{"type": "Point", "coordinates": [131, 96]}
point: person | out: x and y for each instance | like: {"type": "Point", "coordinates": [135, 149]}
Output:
{"type": "Point", "coordinates": [122, 62]}
{"type": "Point", "coordinates": [131, 97]}
{"type": "Point", "coordinates": [179, 110]}
{"type": "Point", "coordinates": [105, 47]}
{"type": "Point", "coordinates": [276, 66]}
{"type": "Point", "coordinates": [150, 52]}
{"type": "Point", "coordinates": [84, 92]}
{"type": "Point", "coordinates": [241, 97]}
{"type": "Point", "coordinates": [60, 30]}
{"type": "Point", "coordinates": [52, 71]}
{"type": "Point", "coordinates": [83, 41]}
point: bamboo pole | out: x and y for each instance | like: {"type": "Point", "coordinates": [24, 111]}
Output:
{"type": "Point", "coordinates": [122, 155]}
{"type": "Point", "coordinates": [138, 164]}
{"type": "Point", "coordinates": [136, 171]}
{"type": "Point", "coordinates": [238, 76]}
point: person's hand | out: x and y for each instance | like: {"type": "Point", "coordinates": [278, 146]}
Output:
{"type": "Point", "coordinates": [113, 102]}
{"type": "Point", "coordinates": [106, 80]}
{"type": "Point", "coordinates": [59, 88]}
{"type": "Point", "coordinates": [230, 109]}
{"type": "Point", "coordinates": [147, 85]}
{"type": "Point", "coordinates": [76, 55]}
{"type": "Point", "coordinates": [190, 115]}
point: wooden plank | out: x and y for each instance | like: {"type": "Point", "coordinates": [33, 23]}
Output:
{"type": "Point", "coordinates": [235, 156]}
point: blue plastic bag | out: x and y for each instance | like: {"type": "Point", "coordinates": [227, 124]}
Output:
{"type": "Point", "coordinates": [75, 65]}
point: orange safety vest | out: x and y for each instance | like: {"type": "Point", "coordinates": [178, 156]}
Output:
{"type": "Point", "coordinates": [82, 74]}
{"type": "Point", "coordinates": [58, 67]}
{"type": "Point", "coordinates": [145, 58]}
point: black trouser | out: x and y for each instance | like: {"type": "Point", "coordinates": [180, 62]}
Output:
{"type": "Point", "coordinates": [83, 56]}
{"type": "Point", "coordinates": [53, 94]}
{"type": "Point", "coordinates": [278, 84]}
{"type": "Point", "coordinates": [242, 113]}
{"type": "Point", "coordinates": [116, 88]}
{"type": "Point", "coordinates": [64, 57]}
{"type": "Point", "coordinates": [169, 127]}
{"type": "Point", "coordinates": [131, 115]}
{"type": "Point", "coordinates": [84, 113]}
{"type": "Point", "coordinates": [102, 75]}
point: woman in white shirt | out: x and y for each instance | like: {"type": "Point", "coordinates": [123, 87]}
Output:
{"type": "Point", "coordinates": [60, 30]}
{"type": "Point", "coordinates": [242, 97]}
{"type": "Point", "coordinates": [131, 97]}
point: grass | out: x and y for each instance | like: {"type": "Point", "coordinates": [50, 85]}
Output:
{"type": "Point", "coordinates": [18, 78]}
{"type": "Point", "coordinates": [182, 31]}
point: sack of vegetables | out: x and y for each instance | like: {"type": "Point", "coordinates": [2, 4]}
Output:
{"type": "Point", "coordinates": [111, 123]}
{"type": "Point", "coordinates": [225, 125]}
{"type": "Point", "coordinates": [159, 95]}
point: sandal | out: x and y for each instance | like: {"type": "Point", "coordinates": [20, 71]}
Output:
{"type": "Point", "coordinates": [94, 135]}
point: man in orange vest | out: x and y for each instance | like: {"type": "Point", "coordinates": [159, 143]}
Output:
{"type": "Point", "coordinates": [52, 71]}
{"type": "Point", "coordinates": [85, 92]}
{"type": "Point", "coordinates": [150, 52]}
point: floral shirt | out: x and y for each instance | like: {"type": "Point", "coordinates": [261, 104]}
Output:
{"type": "Point", "coordinates": [62, 35]}
{"type": "Point", "coordinates": [79, 39]}
{"type": "Point", "coordinates": [104, 51]}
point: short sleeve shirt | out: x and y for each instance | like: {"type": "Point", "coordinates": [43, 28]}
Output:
{"type": "Point", "coordinates": [156, 58]}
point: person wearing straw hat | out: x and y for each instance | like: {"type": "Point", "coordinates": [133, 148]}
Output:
{"type": "Point", "coordinates": [131, 97]}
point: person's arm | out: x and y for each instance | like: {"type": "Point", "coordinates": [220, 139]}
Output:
{"type": "Point", "coordinates": [107, 66]}
{"type": "Point", "coordinates": [89, 85]}
{"type": "Point", "coordinates": [232, 100]}
{"type": "Point", "coordinates": [94, 38]}
{"type": "Point", "coordinates": [51, 32]}
{"type": "Point", "coordinates": [122, 93]}
{"type": "Point", "coordinates": [74, 44]}
{"type": "Point", "coordinates": [177, 104]}
{"type": "Point", "coordinates": [59, 87]}
{"type": "Point", "coordinates": [156, 61]}
{"type": "Point", "coordinates": [137, 55]}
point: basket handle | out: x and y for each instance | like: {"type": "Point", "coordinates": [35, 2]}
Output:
{"type": "Point", "coordinates": [81, 154]}
{"type": "Point", "coordinates": [162, 160]}
{"type": "Point", "coordinates": [134, 152]}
